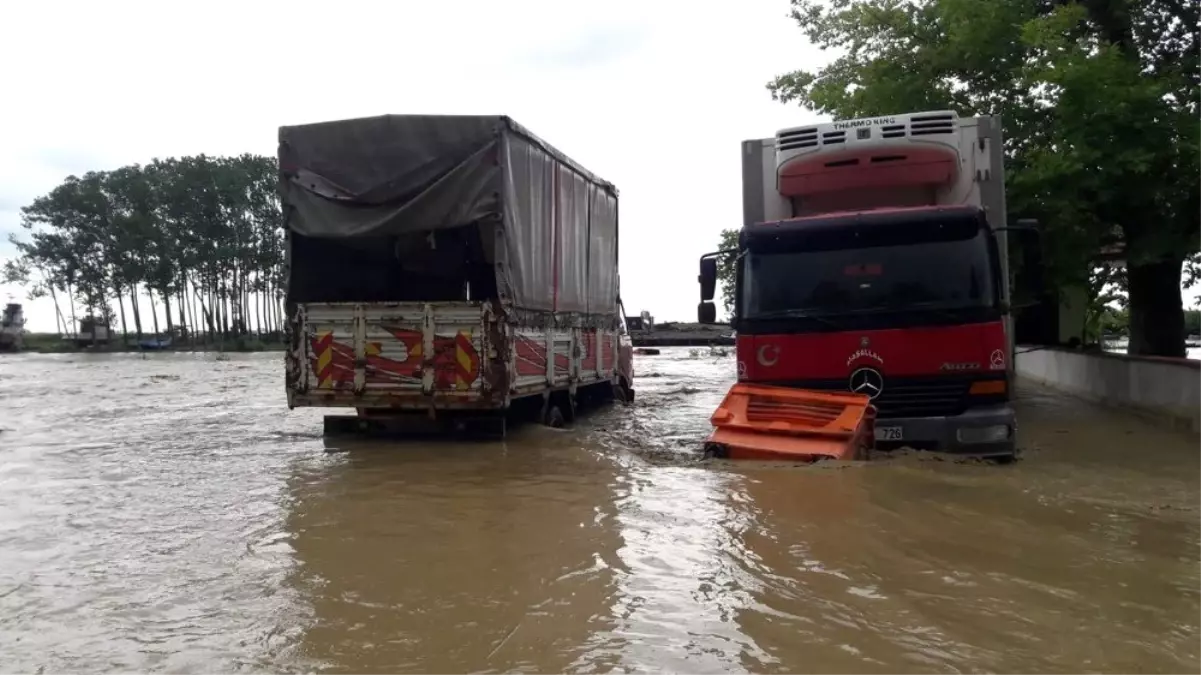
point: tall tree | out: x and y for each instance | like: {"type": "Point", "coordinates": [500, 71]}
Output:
{"type": "Point", "coordinates": [1099, 101]}
{"type": "Point", "coordinates": [194, 232]}
{"type": "Point", "coordinates": [725, 269]}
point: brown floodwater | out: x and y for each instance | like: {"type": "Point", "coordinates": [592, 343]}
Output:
{"type": "Point", "coordinates": [167, 513]}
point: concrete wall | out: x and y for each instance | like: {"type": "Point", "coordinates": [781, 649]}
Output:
{"type": "Point", "coordinates": [1167, 389]}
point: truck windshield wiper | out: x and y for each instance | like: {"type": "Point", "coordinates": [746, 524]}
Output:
{"type": "Point", "coordinates": [794, 314]}
{"type": "Point", "coordinates": [947, 312]}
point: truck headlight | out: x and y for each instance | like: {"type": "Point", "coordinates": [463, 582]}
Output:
{"type": "Point", "coordinates": [974, 435]}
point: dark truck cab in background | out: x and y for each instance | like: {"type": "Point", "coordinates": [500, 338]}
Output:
{"type": "Point", "coordinates": [871, 261]}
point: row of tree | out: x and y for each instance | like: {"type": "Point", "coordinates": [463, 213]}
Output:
{"type": "Point", "coordinates": [201, 235]}
{"type": "Point", "coordinates": [1099, 100]}
{"type": "Point", "coordinates": [1116, 321]}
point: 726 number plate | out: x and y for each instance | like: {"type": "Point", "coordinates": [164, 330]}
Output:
{"type": "Point", "coordinates": [889, 434]}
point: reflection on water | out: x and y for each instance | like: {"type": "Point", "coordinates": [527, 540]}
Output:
{"type": "Point", "coordinates": [168, 513]}
{"type": "Point", "coordinates": [453, 556]}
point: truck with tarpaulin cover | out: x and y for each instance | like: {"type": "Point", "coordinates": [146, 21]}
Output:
{"type": "Point", "coordinates": [873, 259]}
{"type": "Point", "coordinates": [443, 270]}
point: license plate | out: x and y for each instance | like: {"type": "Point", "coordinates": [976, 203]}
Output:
{"type": "Point", "coordinates": [888, 434]}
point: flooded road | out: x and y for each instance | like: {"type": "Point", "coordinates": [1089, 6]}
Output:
{"type": "Point", "coordinates": [169, 513]}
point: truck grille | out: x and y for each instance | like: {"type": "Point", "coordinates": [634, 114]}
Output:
{"type": "Point", "coordinates": [909, 396]}
{"type": "Point", "coordinates": [921, 125]}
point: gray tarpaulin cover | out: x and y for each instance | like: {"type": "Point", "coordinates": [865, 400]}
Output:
{"type": "Point", "coordinates": [549, 225]}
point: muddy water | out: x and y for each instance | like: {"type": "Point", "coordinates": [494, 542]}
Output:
{"type": "Point", "coordinates": [168, 513]}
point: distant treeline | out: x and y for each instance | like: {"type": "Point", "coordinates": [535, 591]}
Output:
{"type": "Point", "coordinates": [1117, 322]}
{"type": "Point", "coordinates": [202, 235]}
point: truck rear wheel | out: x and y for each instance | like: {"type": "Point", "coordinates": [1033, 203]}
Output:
{"type": "Point", "coordinates": [553, 417]}
{"type": "Point", "coordinates": [623, 391]}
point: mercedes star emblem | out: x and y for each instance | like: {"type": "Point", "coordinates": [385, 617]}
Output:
{"type": "Point", "coordinates": [867, 381]}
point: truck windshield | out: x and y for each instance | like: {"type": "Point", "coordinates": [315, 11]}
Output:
{"type": "Point", "coordinates": [857, 274]}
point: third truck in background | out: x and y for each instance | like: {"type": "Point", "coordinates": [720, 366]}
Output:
{"type": "Point", "coordinates": [873, 259]}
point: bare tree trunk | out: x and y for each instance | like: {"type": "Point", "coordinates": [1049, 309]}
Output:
{"type": "Point", "coordinates": [210, 297]}
{"type": "Point", "coordinates": [247, 315]}
{"type": "Point", "coordinates": [260, 312]}
{"type": "Point", "coordinates": [181, 302]}
{"type": "Point", "coordinates": [269, 307]}
{"type": "Point", "coordinates": [153, 309]}
{"type": "Point", "coordinates": [137, 310]}
{"type": "Point", "coordinates": [124, 325]}
{"type": "Point", "coordinates": [167, 313]}
{"type": "Point", "coordinates": [1156, 309]}
{"type": "Point", "coordinates": [58, 312]}
{"type": "Point", "coordinates": [195, 328]}
{"type": "Point", "coordinates": [206, 313]}
{"type": "Point", "coordinates": [74, 319]}
{"type": "Point", "coordinates": [225, 305]}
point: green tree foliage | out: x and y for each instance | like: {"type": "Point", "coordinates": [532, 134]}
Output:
{"type": "Point", "coordinates": [1116, 321]}
{"type": "Point", "coordinates": [1192, 322]}
{"type": "Point", "coordinates": [201, 235]}
{"type": "Point", "coordinates": [1099, 101]}
{"type": "Point", "coordinates": [725, 269]}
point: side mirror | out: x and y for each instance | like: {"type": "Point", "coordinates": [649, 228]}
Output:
{"type": "Point", "coordinates": [706, 313]}
{"type": "Point", "coordinates": [708, 278]}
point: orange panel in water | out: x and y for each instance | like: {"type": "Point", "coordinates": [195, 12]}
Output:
{"type": "Point", "coordinates": [765, 422]}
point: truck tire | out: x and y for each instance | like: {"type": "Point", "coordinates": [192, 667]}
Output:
{"type": "Point", "coordinates": [553, 417]}
{"type": "Point", "coordinates": [623, 391]}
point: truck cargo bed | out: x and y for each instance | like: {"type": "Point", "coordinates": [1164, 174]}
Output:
{"type": "Point", "coordinates": [453, 355]}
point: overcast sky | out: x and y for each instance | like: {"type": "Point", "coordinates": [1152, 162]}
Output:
{"type": "Point", "coordinates": [654, 96]}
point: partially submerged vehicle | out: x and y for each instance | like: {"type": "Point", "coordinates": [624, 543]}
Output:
{"type": "Point", "coordinates": [12, 328]}
{"type": "Point", "coordinates": [93, 332]}
{"type": "Point", "coordinates": [443, 270]}
{"type": "Point", "coordinates": [873, 260]}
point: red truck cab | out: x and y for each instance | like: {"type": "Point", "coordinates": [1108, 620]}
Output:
{"type": "Point", "coordinates": [906, 302]}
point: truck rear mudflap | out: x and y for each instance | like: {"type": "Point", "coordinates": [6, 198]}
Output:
{"type": "Point", "coordinates": [781, 423]}
{"type": "Point", "coordinates": [394, 356]}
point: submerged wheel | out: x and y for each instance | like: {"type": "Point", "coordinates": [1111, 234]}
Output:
{"type": "Point", "coordinates": [623, 391]}
{"type": "Point", "coordinates": [716, 451]}
{"type": "Point", "coordinates": [553, 417]}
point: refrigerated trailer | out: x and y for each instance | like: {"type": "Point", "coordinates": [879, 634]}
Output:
{"type": "Point", "coordinates": [443, 269]}
{"type": "Point", "coordinates": [873, 259]}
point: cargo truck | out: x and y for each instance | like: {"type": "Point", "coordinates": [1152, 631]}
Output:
{"type": "Point", "coordinates": [873, 259]}
{"type": "Point", "coordinates": [445, 270]}
{"type": "Point", "coordinates": [12, 328]}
